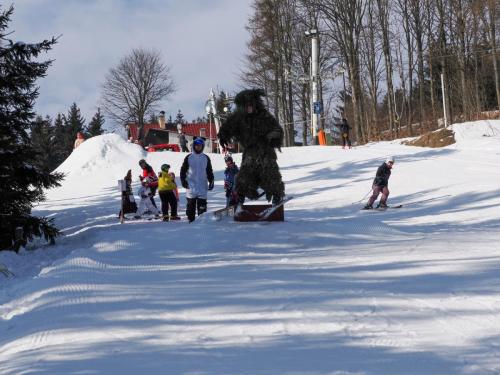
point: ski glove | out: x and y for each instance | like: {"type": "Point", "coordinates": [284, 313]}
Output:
{"type": "Point", "coordinates": [211, 185]}
{"type": "Point", "coordinates": [184, 184]}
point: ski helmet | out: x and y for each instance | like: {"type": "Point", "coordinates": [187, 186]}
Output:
{"type": "Point", "coordinates": [198, 141]}
{"type": "Point", "coordinates": [390, 159]}
{"type": "Point", "coordinates": [141, 162]}
{"type": "Point", "coordinates": [228, 158]}
{"type": "Point", "coordinates": [165, 167]}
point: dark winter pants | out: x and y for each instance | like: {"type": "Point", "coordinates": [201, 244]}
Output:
{"type": "Point", "coordinates": [194, 204]}
{"type": "Point", "coordinates": [260, 170]}
{"type": "Point", "coordinates": [346, 140]}
{"type": "Point", "coordinates": [153, 193]}
{"type": "Point", "coordinates": [184, 148]}
{"type": "Point", "coordinates": [376, 191]}
{"type": "Point", "coordinates": [168, 198]}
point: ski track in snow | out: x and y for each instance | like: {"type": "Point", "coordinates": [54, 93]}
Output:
{"type": "Point", "coordinates": [333, 290]}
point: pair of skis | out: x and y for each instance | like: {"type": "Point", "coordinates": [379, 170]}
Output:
{"type": "Point", "coordinates": [267, 213]}
{"type": "Point", "coordinates": [223, 212]}
{"type": "Point", "coordinates": [147, 218]}
{"type": "Point", "coordinates": [408, 204]}
{"type": "Point", "coordinates": [383, 208]}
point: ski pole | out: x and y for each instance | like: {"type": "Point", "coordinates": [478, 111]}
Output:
{"type": "Point", "coordinates": [362, 199]}
{"type": "Point", "coordinates": [427, 200]}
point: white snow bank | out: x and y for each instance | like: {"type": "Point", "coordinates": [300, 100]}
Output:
{"type": "Point", "coordinates": [104, 153]}
{"type": "Point", "coordinates": [472, 131]}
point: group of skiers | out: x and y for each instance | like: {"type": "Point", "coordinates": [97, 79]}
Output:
{"type": "Point", "coordinates": [260, 134]}
{"type": "Point", "coordinates": [197, 178]}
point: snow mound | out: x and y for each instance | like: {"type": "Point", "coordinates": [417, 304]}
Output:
{"type": "Point", "coordinates": [104, 151]}
{"type": "Point", "coordinates": [476, 130]}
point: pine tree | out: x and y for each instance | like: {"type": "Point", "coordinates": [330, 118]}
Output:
{"type": "Point", "coordinates": [222, 104]}
{"type": "Point", "coordinates": [61, 151]}
{"type": "Point", "coordinates": [153, 119]}
{"type": "Point", "coordinates": [95, 125]}
{"type": "Point", "coordinates": [223, 107]}
{"type": "Point", "coordinates": [200, 120]}
{"type": "Point", "coordinates": [22, 183]}
{"type": "Point", "coordinates": [170, 121]}
{"type": "Point", "coordinates": [179, 119]}
{"type": "Point", "coordinates": [42, 140]}
{"type": "Point", "coordinates": [74, 123]}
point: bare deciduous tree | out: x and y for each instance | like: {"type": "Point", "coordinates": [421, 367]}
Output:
{"type": "Point", "coordinates": [413, 40]}
{"type": "Point", "coordinates": [493, 12]}
{"type": "Point", "coordinates": [344, 20]}
{"type": "Point", "coordinates": [383, 7]}
{"type": "Point", "coordinates": [135, 86]}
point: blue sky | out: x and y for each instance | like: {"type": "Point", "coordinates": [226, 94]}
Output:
{"type": "Point", "coordinates": [202, 41]}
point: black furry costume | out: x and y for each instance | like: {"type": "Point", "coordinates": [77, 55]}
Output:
{"type": "Point", "coordinates": [259, 133]}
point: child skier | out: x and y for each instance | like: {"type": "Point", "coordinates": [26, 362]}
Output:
{"type": "Point", "coordinates": [128, 201]}
{"type": "Point", "coordinates": [230, 181]}
{"type": "Point", "coordinates": [167, 189]}
{"type": "Point", "coordinates": [148, 172]}
{"type": "Point", "coordinates": [381, 185]}
{"type": "Point", "coordinates": [197, 177]}
{"type": "Point", "coordinates": [145, 204]}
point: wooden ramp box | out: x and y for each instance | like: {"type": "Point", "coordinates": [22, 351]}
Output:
{"type": "Point", "coordinates": [251, 213]}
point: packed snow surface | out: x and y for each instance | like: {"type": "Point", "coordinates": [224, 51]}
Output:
{"type": "Point", "coordinates": [333, 290]}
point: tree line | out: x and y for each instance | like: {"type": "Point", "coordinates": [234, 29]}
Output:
{"type": "Point", "coordinates": [382, 62]}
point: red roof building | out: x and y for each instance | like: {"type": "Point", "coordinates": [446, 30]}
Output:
{"type": "Point", "coordinates": [200, 130]}
{"type": "Point", "coordinates": [207, 131]}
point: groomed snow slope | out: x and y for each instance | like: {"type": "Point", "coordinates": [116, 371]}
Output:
{"type": "Point", "coordinates": [333, 290]}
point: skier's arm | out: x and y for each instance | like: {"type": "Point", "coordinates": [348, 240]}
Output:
{"type": "Point", "coordinates": [210, 174]}
{"type": "Point", "coordinates": [176, 189]}
{"type": "Point", "coordinates": [154, 181]}
{"type": "Point", "coordinates": [275, 134]}
{"type": "Point", "coordinates": [225, 132]}
{"type": "Point", "coordinates": [183, 174]}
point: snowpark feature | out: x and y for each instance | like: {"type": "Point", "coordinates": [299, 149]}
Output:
{"type": "Point", "coordinates": [333, 290]}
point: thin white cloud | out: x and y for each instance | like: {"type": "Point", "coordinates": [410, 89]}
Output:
{"type": "Point", "coordinates": [202, 41]}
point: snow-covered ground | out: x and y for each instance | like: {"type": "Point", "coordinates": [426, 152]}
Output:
{"type": "Point", "coordinates": [333, 290]}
